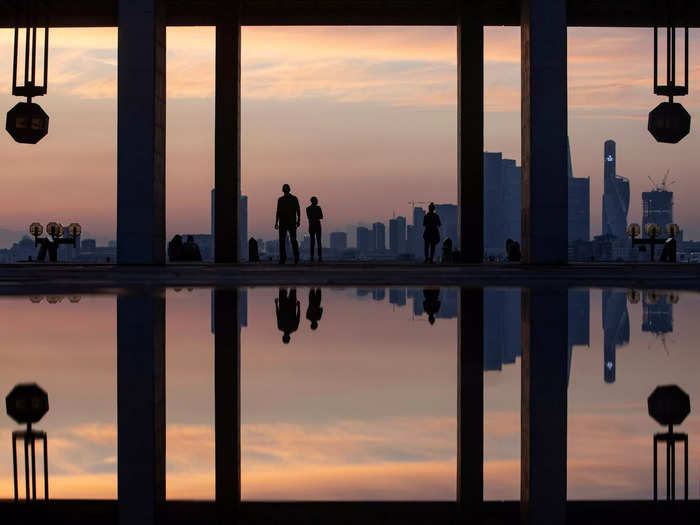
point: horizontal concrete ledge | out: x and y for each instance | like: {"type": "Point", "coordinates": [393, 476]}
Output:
{"type": "Point", "coordinates": [404, 513]}
{"type": "Point", "coordinates": [22, 279]}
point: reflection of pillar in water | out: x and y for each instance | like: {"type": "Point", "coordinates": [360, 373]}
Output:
{"type": "Point", "coordinates": [616, 329]}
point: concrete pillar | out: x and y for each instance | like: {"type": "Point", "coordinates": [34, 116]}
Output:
{"type": "Point", "coordinates": [543, 405]}
{"type": "Point", "coordinates": [470, 414]}
{"type": "Point", "coordinates": [470, 107]}
{"type": "Point", "coordinates": [141, 133]}
{"type": "Point", "coordinates": [227, 414]}
{"type": "Point", "coordinates": [544, 126]}
{"type": "Point", "coordinates": [227, 154]}
{"type": "Point", "coordinates": [141, 408]}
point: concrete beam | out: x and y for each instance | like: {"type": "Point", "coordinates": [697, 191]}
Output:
{"type": "Point", "coordinates": [227, 414]}
{"type": "Point", "coordinates": [470, 119]}
{"type": "Point", "coordinates": [544, 130]}
{"type": "Point", "coordinates": [227, 155]}
{"type": "Point", "coordinates": [141, 133]}
{"type": "Point", "coordinates": [470, 412]}
{"type": "Point", "coordinates": [544, 368]}
{"type": "Point", "coordinates": [141, 408]}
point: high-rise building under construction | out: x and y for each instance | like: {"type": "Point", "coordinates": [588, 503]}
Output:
{"type": "Point", "coordinates": [657, 207]}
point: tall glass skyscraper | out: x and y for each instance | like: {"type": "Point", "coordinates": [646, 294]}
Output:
{"type": "Point", "coordinates": [616, 195]}
{"type": "Point", "coordinates": [579, 204]}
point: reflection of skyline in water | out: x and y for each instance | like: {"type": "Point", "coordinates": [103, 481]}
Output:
{"type": "Point", "coordinates": [616, 329]}
{"type": "Point", "coordinates": [311, 430]}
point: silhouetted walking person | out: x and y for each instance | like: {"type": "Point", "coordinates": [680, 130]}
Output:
{"type": "Point", "coordinates": [431, 304]}
{"type": "Point", "coordinates": [288, 311]}
{"type": "Point", "coordinates": [431, 235]}
{"type": "Point", "coordinates": [314, 311]}
{"type": "Point", "coordinates": [287, 220]}
{"type": "Point", "coordinates": [315, 214]}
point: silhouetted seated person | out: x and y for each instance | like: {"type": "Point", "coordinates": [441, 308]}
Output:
{"type": "Point", "coordinates": [431, 303]}
{"type": "Point", "coordinates": [448, 254]}
{"type": "Point", "coordinates": [668, 253]}
{"type": "Point", "coordinates": [314, 311]}
{"type": "Point", "coordinates": [288, 311]}
{"type": "Point", "coordinates": [512, 250]}
{"type": "Point", "coordinates": [287, 220]}
{"type": "Point", "coordinates": [431, 234]}
{"type": "Point", "coordinates": [175, 249]}
{"type": "Point", "coordinates": [253, 251]}
{"type": "Point", "coordinates": [190, 250]}
{"type": "Point", "coordinates": [315, 214]}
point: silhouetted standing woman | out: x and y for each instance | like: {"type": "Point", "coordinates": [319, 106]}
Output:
{"type": "Point", "coordinates": [431, 235]}
{"type": "Point", "coordinates": [315, 214]}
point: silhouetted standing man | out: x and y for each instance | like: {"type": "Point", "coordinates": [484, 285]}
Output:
{"type": "Point", "coordinates": [431, 235]}
{"type": "Point", "coordinates": [431, 304]}
{"type": "Point", "coordinates": [288, 311]}
{"type": "Point", "coordinates": [288, 219]}
{"type": "Point", "coordinates": [315, 214]}
{"type": "Point", "coordinates": [314, 312]}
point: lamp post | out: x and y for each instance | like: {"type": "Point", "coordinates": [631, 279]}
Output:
{"type": "Point", "coordinates": [27, 122]}
{"type": "Point", "coordinates": [669, 405]}
{"type": "Point", "coordinates": [653, 231]}
{"type": "Point", "coordinates": [50, 244]}
{"type": "Point", "coordinates": [27, 403]}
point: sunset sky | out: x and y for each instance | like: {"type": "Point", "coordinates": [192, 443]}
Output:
{"type": "Point", "coordinates": [362, 408]}
{"type": "Point", "coordinates": [363, 118]}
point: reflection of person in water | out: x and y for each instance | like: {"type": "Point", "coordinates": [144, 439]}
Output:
{"type": "Point", "coordinates": [314, 311]}
{"type": "Point", "coordinates": [431, 304]}
{"type": "Point", "coordinates": [288, 311]}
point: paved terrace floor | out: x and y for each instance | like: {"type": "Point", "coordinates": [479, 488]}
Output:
{"type": "Point", "coordinates": [27, 278]}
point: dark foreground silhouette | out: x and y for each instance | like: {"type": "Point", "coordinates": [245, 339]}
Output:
{"type": "Point", "coordinates": [431, 234]}
{"type": "Point", "coordinates": [287, 220]}
{"type": "Point", "coordinates": [315, 214]}
{"type": "Point", "coordinates": [431, 303]}
{"type": "Point", "coordinates": [314, 312]}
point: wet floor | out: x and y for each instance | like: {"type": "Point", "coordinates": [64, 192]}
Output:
{"type": "Point", "coordinates": [351, 393]}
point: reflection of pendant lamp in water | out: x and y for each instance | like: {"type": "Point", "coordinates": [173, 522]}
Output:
{"type": "Point", "coordinates": [670, 405]}
{"type": "Point", "coordinates": [669, 122]}
{"type": "Point", "coordinates": [27, 404]}
{"type": "Point", "coordinates": [27, 122]}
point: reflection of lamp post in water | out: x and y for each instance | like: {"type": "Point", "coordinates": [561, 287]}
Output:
{"type": "Point", "coordinates": [669, 405]}
{"type": "Point", "coordinates": [28, 403]}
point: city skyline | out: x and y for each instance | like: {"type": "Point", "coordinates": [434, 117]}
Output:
{"type": "Point", "coordinates": [322, 104]}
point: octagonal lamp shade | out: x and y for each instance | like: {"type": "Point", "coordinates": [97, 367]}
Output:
{"type": "Point", "coordinates": [74, 229]}
{"type": "Point", "coordinates": [668, 405]}
{"type": "Point", "coordinates": [27, 403]}
{"type": "Point", "coordinates": [54, 229]}
{"type": "Point", "coordinates": [633, 229]}
{"type": "Point", "coordinates": [672, 230]}
{"type": "Point", "coordinates": [669, 122]}
{"type": "Point", "coordinates": [652, 229]}
{"type": "Point", "coordinates": [27, 123]}
{"type": "Point", "coordinates": [36, 229]}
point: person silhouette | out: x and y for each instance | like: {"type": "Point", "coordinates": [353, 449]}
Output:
{"type": "Point", "coordinates": [315, 214]}
{"type": "Point", "coordinates": [431, 235]}
{"type": "Point", "coordinates": [314, 311]}
{"type": "Point", "coordinates": [287, 220]}
{"type": "Point", "coordinates": [190, 250]}
{"type": "Point", "coordinates": [175, 249]}
{"type": "Point", "coordinates": [431, 303]}
{"type": "Point", "coordinates": [288, 311]}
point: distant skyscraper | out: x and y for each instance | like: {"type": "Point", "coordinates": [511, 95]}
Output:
{"type": "Point", "coordinates": [616, 329]}
{"type": "Point", "coordinates": [397, 235]}
{"type": "Point", "coordinates": [363, 240]}
{"type": "Point", "coordinates": [616, 195]}
{"type": "Point", "coordinates": [502, 203]}
{"type": "Point", "coordinates": [657, 207]}
{"type": "Point", "coordinates": [579, 204]}
{"type": "Point", "coordinates": [501, 327]}
{"type": "Point", "coordinates": [449, 214]}
{"type": "Point", "coordinates": [339, 242]}
{"type": "Point", "coordinates": [379, 231]}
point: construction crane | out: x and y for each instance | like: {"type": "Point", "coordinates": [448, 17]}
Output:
{"type": "Point", "coordinates": [663, 185]}
{"type": "Point", "coordinates": [413, 203]}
